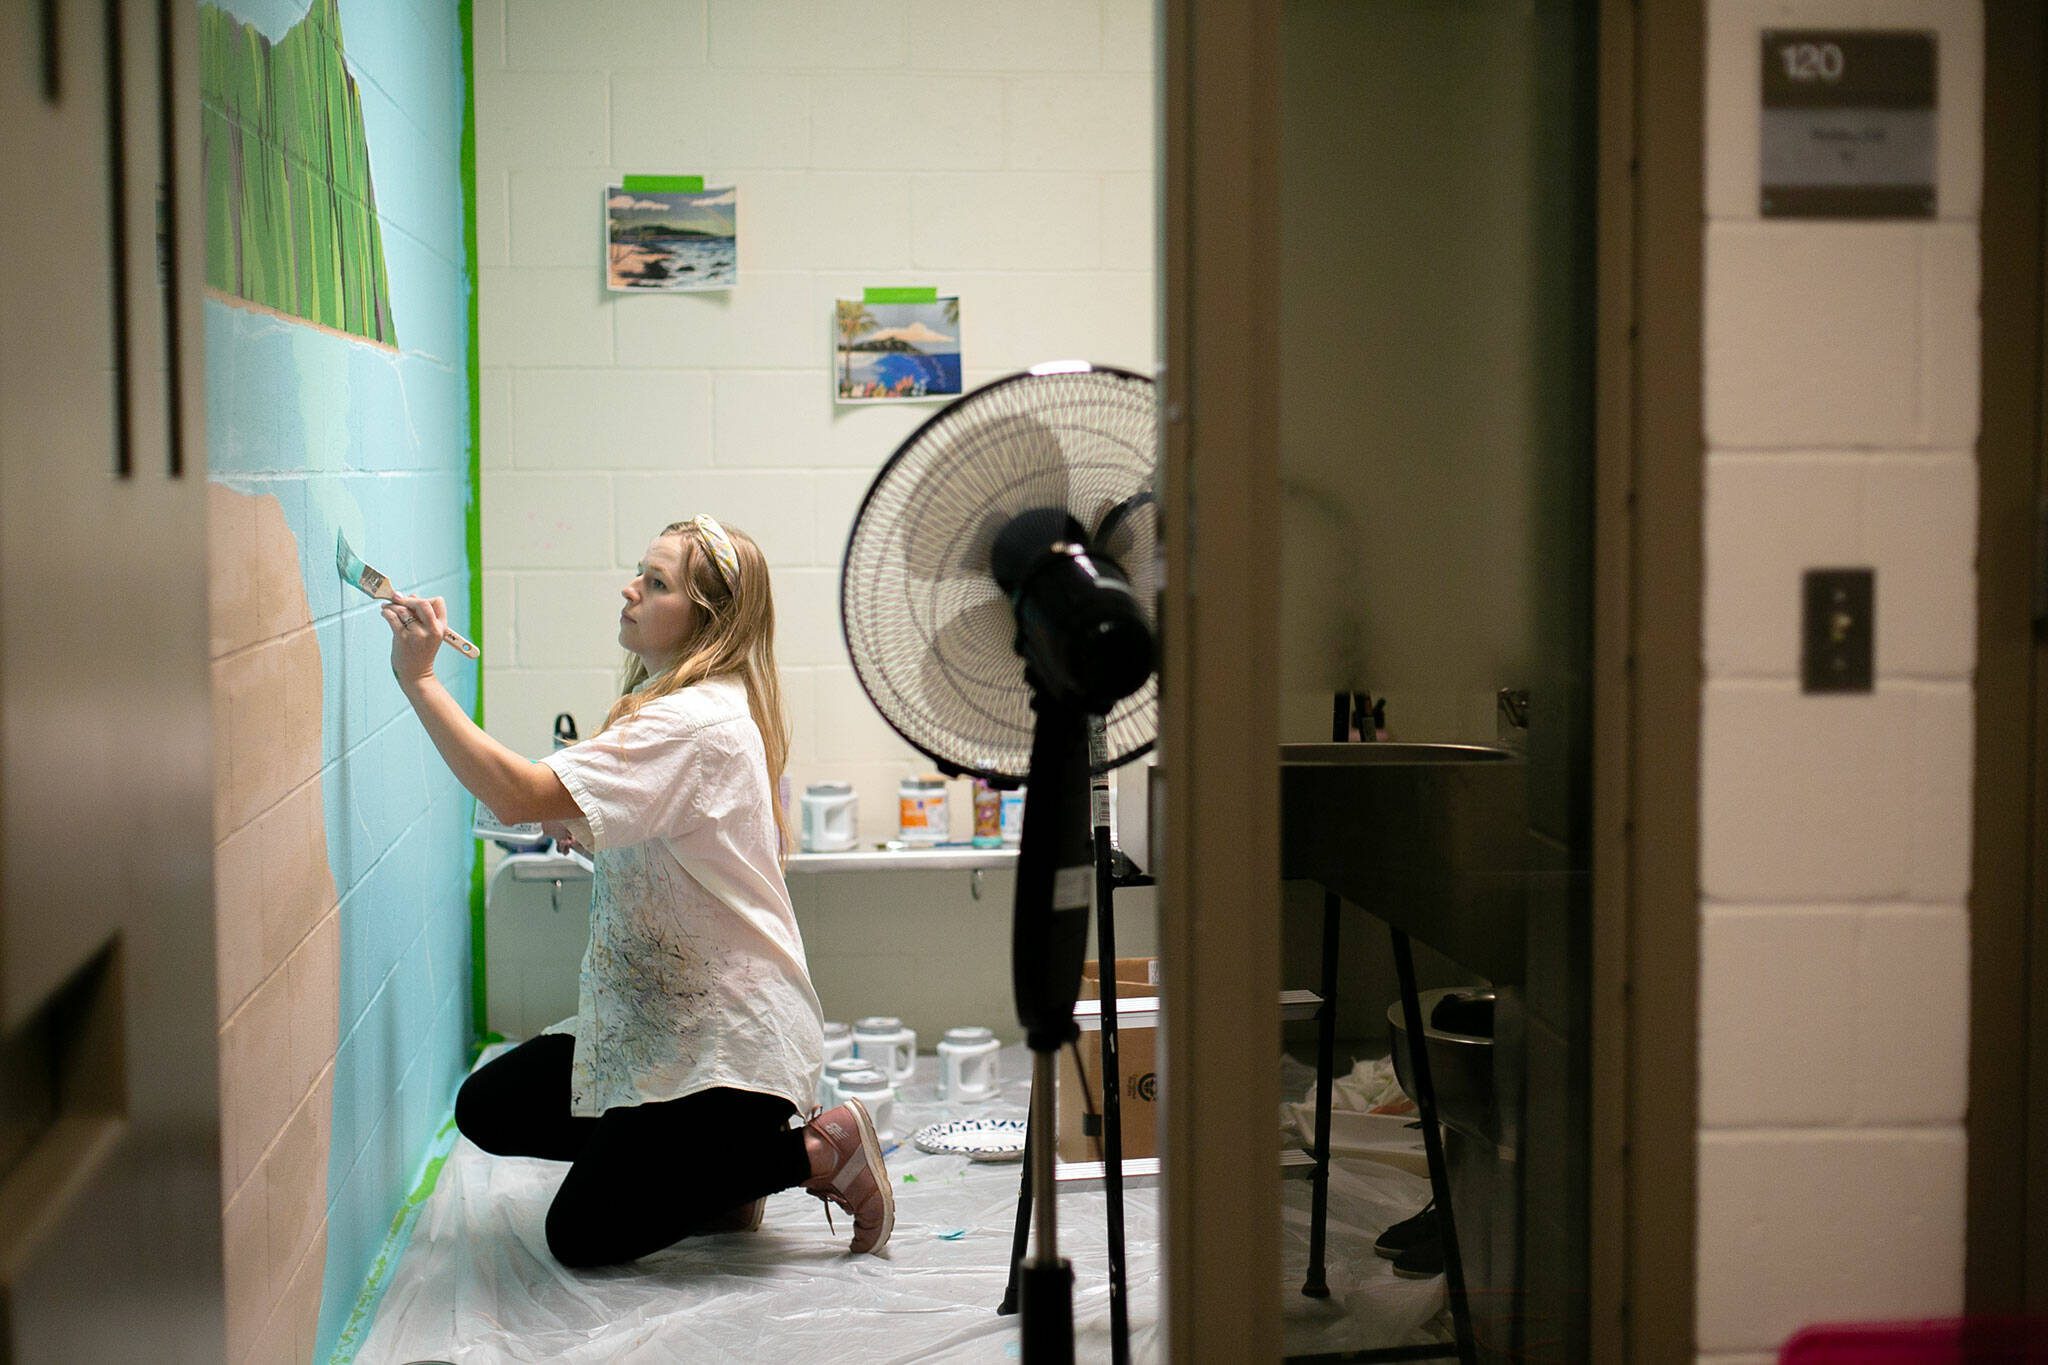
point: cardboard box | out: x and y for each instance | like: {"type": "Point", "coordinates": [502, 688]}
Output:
{"type": "Point", "coordinates": [1137, 1052]}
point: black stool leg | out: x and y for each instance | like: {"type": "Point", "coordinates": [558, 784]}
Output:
{"type": "Point", "coordinates": [1316, 1286]}
{"type": "Point", "coordinates": [1433, 1146]}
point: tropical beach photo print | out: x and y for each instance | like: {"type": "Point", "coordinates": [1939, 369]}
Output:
{"type": "Point", "coordinates": [895, 352]}
{"type": "Point", "coordinates": [671, 239]}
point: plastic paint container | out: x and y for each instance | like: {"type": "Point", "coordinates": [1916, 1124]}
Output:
{"type": "Point", "coordinates": [830, 821]}
{"type": "Point", "coordinates": [988, 815]}
{"type": "Point", "coordinates": [875, 1093]}
{"type": "Point", "coordinates": [882, 1042]}
{"type": "Point", "coordinates": [828, 1080]}
{"type": "Point", "coordinates": [967, 1065]}
{"type": "Point", "coordinates": [838, 1040]}
{"type": "Point", "coordinates": [921, 805]}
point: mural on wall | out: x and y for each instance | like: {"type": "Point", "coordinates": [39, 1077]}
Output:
{"type": "Point", "coordinates": [343, 855]}
{"type": "Point", "coordinates": [291, 213]}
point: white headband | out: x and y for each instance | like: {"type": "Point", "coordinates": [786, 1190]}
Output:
{"type": "Point", "coordinates": [722, 552]}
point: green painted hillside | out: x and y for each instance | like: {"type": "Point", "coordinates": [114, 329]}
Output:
{"type": "Point", "coordinates": [291, 216]}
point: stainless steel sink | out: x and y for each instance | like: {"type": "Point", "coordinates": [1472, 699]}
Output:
{"type": "Point", "coordinates": [1432, 838]}
{"type": "Point", "coordinates": [1379, 755]}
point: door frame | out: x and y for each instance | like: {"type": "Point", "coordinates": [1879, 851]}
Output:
{"type": "Point", "coordinates": [1219, 903]}
{"type": "Point", "coordinates": [1220, 134]}
{"type": "Point", "coordinates": [1648, 491]}
{"type": "Point", "coordinates": [2006, 1250]}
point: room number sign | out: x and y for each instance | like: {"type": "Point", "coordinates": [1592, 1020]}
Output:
{"type": "Point", "coordinates": [1848, 124]}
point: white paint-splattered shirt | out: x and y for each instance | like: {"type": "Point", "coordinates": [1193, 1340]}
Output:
{"type": "Point", "coordinates": [695, 975]}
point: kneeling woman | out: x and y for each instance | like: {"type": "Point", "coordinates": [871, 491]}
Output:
{"type": "Point", "coordinates": [696, 1039]}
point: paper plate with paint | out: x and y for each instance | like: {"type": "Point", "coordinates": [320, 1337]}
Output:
{"type": "Point", "coordinates": [978, 1139]}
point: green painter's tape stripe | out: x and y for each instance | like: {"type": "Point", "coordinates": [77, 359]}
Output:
{"type": "Point", "coordinates": [365, 1311]}
{"type": "Point", "coordinates": [472, 535]}
{"type": "Point", "coordinates": [901, 293]}
{"type": "Point", "coordinates": [663, 184]}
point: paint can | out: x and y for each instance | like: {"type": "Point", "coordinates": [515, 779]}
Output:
{"type": "Point", "coordinates": [830, 822]}
{"type": "Point", "coordinates": [838, 1040]}
{"type": "Point", "coordinates": [1013, 818]}
{"type": "Point", "coordinates": [829, 1078]}
{"type": "Point", "coordinates": [967, 1065]}
{"type": "Point", "coordinates": [883, 1042]}
{"type": "Point", "coordinates": [876, 1095]}
{"type": "Point", "coordinates": [922, 819]}
{"type": "Point", "coordinates": [988, 815]}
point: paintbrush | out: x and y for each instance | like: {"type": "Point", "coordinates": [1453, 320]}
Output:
{"type": "Point", "coordinates": [360, 575]}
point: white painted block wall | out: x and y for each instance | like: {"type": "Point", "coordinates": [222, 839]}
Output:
{"type": "Point", "coordinates": [1000, 150]}
{"type": "Point", "coordinates": [1841, 399]}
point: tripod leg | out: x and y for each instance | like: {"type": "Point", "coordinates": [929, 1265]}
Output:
{"type": "Point", "coordinates": [1019, 1238]}
{"type": "Point", "coordinates": [1112, 1104]}
{"type": "Point", "coordinates": [1317, 1286]}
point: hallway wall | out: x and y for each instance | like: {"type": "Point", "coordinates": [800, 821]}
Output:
{"type": "Point", "coordinates": [1001, 151]}
{"type": "Point", "coordinates": [1841, 404]}
{"type": "Point", "coordinates": [336, 340]}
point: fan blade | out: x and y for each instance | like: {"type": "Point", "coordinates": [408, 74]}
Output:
{"type": "Point", "coordinates": [973, 666]}
{"type": "Point", "coordinates": [1003, 466]}
{"type": "Point", "coordinates": [1118, 528]}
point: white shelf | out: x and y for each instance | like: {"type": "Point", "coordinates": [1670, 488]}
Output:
{"type": "Point", "coordinates": [1142, 1011]}
{"type": "Point", "coordinates": [1141, 1171]}
{"type": "Point", "coordinates": [958, 858]}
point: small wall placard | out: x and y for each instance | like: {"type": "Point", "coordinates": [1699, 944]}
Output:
{"type": "Point", "coordinates": [1848, 124]}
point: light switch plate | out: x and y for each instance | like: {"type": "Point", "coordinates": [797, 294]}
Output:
{"type": "Point", "coordinates": [1840, 631]}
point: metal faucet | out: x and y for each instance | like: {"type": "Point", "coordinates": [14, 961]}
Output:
{"type": "Point", "coordinates": [1511, 718]}
{"type": "Point", "coordinates": [1358, 714]}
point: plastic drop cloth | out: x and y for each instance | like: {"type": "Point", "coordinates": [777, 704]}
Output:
{"type": "Point", "coordinates": [476, 1283]}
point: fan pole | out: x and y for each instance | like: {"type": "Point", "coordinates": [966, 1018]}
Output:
{"type": "Point", "coordinates": [1049, 939]}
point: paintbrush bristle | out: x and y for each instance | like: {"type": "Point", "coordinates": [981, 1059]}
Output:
{"type": "Point", "coordinates": [357, 573]}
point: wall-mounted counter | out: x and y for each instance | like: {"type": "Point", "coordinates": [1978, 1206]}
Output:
{"type": "Point", "coordinates": [950, 858]}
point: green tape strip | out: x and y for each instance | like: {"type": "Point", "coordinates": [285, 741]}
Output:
{"type": "Point", "coordinates": [364, 1313]}
{"type": "Point", "coordinates": [663, 184]}
{"type": "Point", "coordinates": [472, 536]}
{"type": "Point", "coordinates": [901, 293]}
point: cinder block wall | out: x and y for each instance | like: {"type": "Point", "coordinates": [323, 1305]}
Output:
{"type": "Point", "coordinates": [1841, 397]}
{"type": "Point", "coordinates": [343, 852]}
{"type": "Point", "coordinates": [1001, 151]}
{"type": "Point", "coordinates": [277, 929]}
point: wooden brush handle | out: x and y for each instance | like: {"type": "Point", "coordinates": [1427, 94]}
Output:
{"type": "Point", "coordinates": [464, 646]}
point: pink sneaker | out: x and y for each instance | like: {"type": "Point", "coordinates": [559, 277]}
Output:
{"type": "Point", "coordinates": [858, 1181]}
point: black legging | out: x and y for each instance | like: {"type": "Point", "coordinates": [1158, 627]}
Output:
{"type": "Point", "coordinates": [642, 1176]}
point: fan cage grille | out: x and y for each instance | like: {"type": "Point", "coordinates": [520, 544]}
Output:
{"type": "Point", "coordinates": [930, 633]}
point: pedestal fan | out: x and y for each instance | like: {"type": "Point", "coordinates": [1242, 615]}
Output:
{"type": "Point", "coordinates": [998, 593]}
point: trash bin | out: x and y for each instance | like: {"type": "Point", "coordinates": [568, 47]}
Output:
{"type": "Point", "coordinates": [1481, 1171]}
{"type": "Point", "coordinates": [1460, 1039]}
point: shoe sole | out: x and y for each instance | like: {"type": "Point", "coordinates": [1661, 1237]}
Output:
{"type": "Point", "coordinates": [1418, 1274]}
{"type": "Point", "coordinates": [871, 1148]}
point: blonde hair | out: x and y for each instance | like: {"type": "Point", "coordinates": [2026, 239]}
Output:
{"type": "Point", "coordinates": [735, 637]}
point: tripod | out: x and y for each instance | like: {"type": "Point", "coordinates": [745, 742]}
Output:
{"type": "Point", "coordinates": [1113, 870]}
